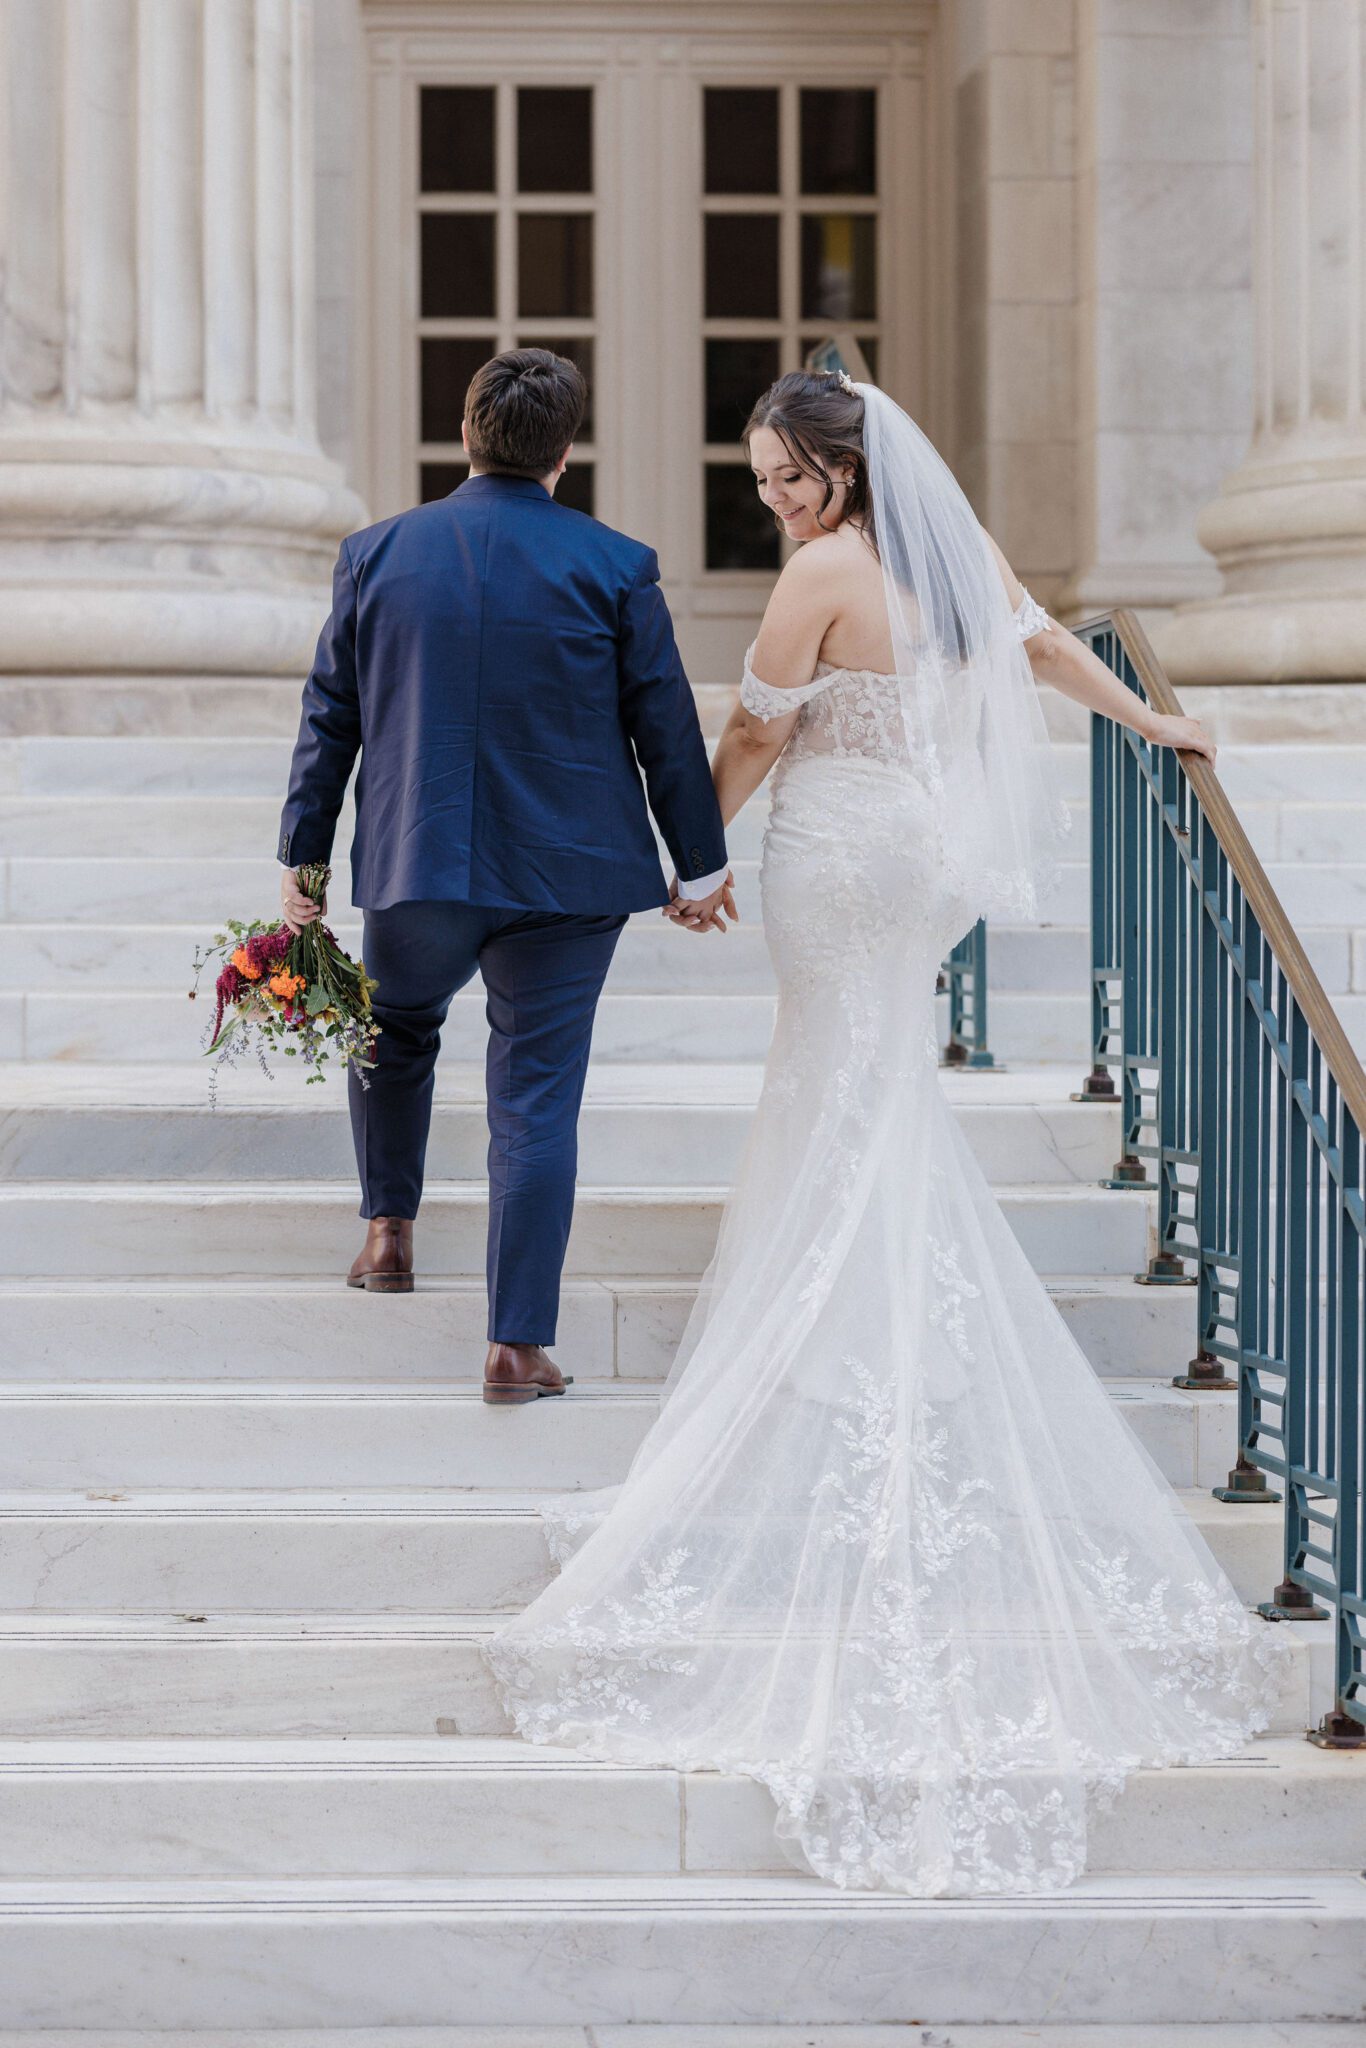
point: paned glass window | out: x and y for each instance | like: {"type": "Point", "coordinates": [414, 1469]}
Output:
{"type": "Point", "coordinates": [790, 253]}
{"type": "Point", "coordinates": [504, 262]}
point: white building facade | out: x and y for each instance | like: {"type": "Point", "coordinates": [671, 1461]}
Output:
{"type": "Point", "coordinates": [253, 250]}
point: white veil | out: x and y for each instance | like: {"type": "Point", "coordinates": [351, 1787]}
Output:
{"type": "Point", "coordinates": [969, 702]}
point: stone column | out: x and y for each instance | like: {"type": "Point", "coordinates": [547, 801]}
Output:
{"type": "Point", "coordinates": [1288, 527]}
{"type": "Point", "coordinates": [1161, 400]}
{"type": "Point", "coordinates": [164, 503]}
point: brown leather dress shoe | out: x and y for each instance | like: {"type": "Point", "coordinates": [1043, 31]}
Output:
{"type": "Point", "coordinates": [385, 1266]}
{"type": "Point", "coordinates": [521, 1372]}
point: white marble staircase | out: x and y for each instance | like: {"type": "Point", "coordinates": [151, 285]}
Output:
{"type": "Point", "coordinates": [254, 1783]}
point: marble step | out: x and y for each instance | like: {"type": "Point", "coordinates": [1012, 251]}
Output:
{"type": "Point", "coordinates": [407, 1552]}
{"type": "Point", "coordinates": [650, 957]}
{"type": "Point", "coordinates": [222, 767]}
{"type": "Point", "coordinates": [91, 1123]}
{"type": "Point", "coordinates": [192, 1227]}
{"type": "Point", "coordinates": [215, 1807]}
{"type": "Point", "coordinates": [1283, 2034]}
{"type": "Point", "coordinates": [77, 1331]}
{"type": "Point", "coordinates": [175, 827]}
{"type": "Point", "coordinates": [63, 888]}
{"type": "Point", "coordinates": [278, 1434]}
{"type": "Point", "coordinates": [254, 1953]}
{"type": "Point", "coordinates": [1272, 768]}
{"type": "Point", "coordinates": [172, 827]}
{"type": "Point", "coordinates": [58, 888]}
{"type": "Point", "coordinates": [698, 1021]}
{"type": "Point", "coordinates": [342, 1674]}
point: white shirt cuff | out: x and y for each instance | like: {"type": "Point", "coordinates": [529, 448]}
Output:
{"type": "Point", "coordinates": [705, 885]}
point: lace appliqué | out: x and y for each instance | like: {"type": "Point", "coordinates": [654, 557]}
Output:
{"type": "Point", "coordinates": [764, 700]}
{"type": "Point", "coordinates": [1030, 617]}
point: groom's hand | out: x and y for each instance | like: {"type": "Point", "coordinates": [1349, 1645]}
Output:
{"type": "Point", "coordinates": [707, 913]}
{"type": "Point", "coordinates": [296, 908]}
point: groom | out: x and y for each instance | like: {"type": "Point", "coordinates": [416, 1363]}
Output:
{"type": "Point", "coordinates": [506, 669]}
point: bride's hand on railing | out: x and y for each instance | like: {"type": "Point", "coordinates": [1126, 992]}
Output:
{"type": "Point", "coordinates": [1185, 733]}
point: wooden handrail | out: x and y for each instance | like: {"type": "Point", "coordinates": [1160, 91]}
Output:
{"type": "Point", "coordinates": [1266, 905]}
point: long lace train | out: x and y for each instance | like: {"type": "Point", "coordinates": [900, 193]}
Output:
{"type": "Point", "coordinates": [889, 1548]}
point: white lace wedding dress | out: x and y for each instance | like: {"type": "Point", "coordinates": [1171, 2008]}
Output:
{"type": "Point", "coordinates": [889, 1548]}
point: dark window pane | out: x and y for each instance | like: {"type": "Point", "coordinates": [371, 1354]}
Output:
{"type": "Point", "coordinates": [742, 266]}
{"type": "Point", "coordinates": [579, 349]}
{"type": "Point", "coordinates": [457, 265]}
{"type": "Point", "coordinates": [575, 487]}
{"type": "Point", "coordinates": [867, 342]}
{"type": "Point", "coordinates": [741, 533]}
{"type": "Point", "coordinates": [457, 138]}
{"type": "Point", "coordinates": [740, 139]}
{"type": "Point", "coordinates": [839, 140]}
{"type": "Point", "coordinates": [736, 372]}
{"type": "Point", "coordinates": [447, 367]}
{"type": "Point", "coordinates": [555, 138]}
{"type": "Point", "coordinates": [555, 264]}
{"type": "Point", "coordinates": [439, 479]}
{"type": "Point", "coordinates": [839, 266]}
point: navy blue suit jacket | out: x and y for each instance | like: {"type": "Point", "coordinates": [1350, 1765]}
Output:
{"type": "Point", "coordinates": [506, 668]}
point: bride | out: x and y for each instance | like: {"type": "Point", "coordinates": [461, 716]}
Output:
{"type": "Point", "coordinates": [889, 1548]}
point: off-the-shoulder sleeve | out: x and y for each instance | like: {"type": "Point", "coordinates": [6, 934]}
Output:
{"type": "Point", "coordinates": [765, 701]}
{"type": "Point", "coordinates": [1030, 618]}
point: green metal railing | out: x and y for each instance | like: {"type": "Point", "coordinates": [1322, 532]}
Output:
{"type": "Point", "coordinates": [963, 977]}
{"type": "Point", "coordinates": [1243, 1104]}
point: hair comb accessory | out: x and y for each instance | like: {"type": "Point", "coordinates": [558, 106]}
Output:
{"type": "Point", "coordinates": [846, 382]}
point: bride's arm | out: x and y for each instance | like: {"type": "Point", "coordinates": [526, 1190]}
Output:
{"type": "Point", "coordinates": [798, 616]}
{"type": "Point", "coordinates": [745, 752]}
{"type": "Point", "coordinates": [1058, 657]}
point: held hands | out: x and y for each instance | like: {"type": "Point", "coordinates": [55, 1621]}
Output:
{"type": "Point", "coordinates": [296, 908]}
{"type": "Point", "coordinates": [708, 913]}
{"type": "Point", "coordinates": [1185, 733]}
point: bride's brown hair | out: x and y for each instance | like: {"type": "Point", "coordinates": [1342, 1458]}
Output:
{"type": "Point", "coordinates": [821, 426]}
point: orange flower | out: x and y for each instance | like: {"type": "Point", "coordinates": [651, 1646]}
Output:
{"type": "Point", "coordinates": [245, 966]}
{"type": "Point", "coordinates": [285, 984]}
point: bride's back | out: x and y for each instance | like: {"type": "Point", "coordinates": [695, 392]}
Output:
{"type": "Point", "coordinates": [859, 636]}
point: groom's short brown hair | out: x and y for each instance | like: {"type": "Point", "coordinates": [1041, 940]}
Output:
{"type": "Point", "coordinates": [522, 410]}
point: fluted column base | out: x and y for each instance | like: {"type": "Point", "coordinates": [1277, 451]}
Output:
{"type": "Point", "coordinates": [1288, 530]}
{"type": "Point", "coordinates": [125, 553]}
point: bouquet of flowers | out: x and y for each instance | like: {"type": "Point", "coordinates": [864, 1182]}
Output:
{"type": "Point", "coordinates": [295, 992]}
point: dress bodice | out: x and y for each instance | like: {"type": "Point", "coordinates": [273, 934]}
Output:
{"type": "Point", "coordinates": [852, 712]}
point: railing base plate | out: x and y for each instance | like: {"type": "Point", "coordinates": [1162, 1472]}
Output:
{"type": "Point", "coordinates": [1338, 1730]}
{"type": "Point", "coordinates": [1165, 1279]}
{"type": "Point", "coordinates": [1254, 1496]}
{"type": "Point", "coordinates": [1274, 1611]}
{"type": "Point", "coordinates": [1200, 1382]}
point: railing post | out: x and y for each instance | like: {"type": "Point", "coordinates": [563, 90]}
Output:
{"type": "Point", "coordinates": [1339, 1729]}
{"type": "Point", "coordinates": [1099, 1084]}
{"type": "Point", "coordinates": [964, 974]}
{"type": "Point", "coordinates": [1166, 1268]}
{"type": "Point", "coordinates": [1214, 1192]}
{"type": "Point", "coordinates": [1129, 1170]}
{"type": "Point", "coordinates": [1291, 1601]}
{"type": "Point", "coordinates": [1246, 1481]}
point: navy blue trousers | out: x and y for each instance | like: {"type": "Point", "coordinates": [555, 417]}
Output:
{"type": "Point", "coordinates": [543, 973]}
